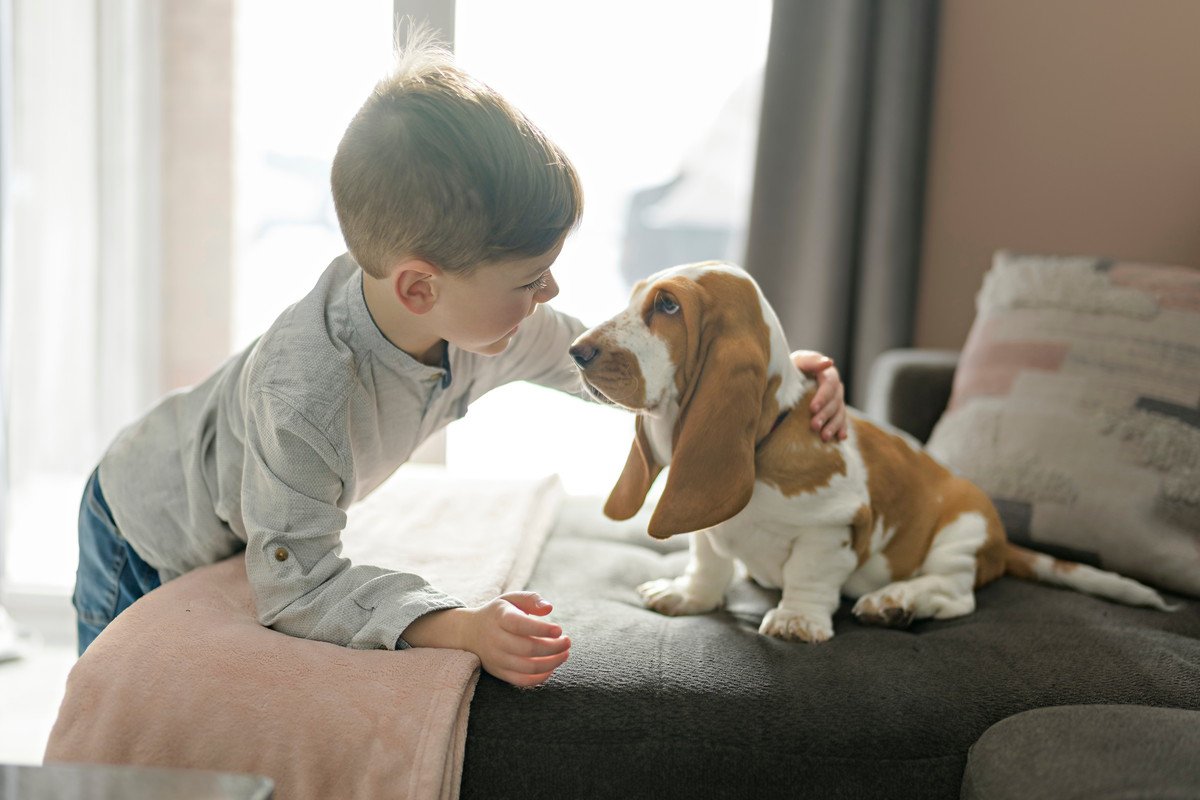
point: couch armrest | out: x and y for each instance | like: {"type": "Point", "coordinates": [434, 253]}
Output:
{"type": "Point", "coordinates": [1108, 751]}
{"type": "Point", "coordinates": [910, 388]}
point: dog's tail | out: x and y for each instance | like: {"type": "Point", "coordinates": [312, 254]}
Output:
{"type": "Point", "coordinates": [1046, 569]}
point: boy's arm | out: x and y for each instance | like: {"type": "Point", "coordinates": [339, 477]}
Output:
{"type": "Point", "coordinates": [511, 643]}
{"type": "Point", "coordinates": [292, 483]}
{"type": "Point", "coordinates": [540, 352]}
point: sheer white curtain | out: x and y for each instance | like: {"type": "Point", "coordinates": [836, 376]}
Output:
{"type": "Point", "coordinates": [79, 269]}
{"type": "Point", "coordinates": [7, 629]}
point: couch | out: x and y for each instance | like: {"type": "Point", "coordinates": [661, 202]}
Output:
{"type": "Point", "coordinates": [1042, 692]}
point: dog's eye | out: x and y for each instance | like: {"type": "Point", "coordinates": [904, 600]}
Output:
{"type": "Point", "coordinates": [666, 304]}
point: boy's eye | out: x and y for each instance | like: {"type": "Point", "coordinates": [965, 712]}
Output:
{"type": "Point", "coordinates": [665, 303]}
{"type": "Point", "coordinates": [541, 283]}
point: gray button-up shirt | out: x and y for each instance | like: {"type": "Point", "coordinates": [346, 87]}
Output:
{"type": "Point", "coordinates": [270, 451]}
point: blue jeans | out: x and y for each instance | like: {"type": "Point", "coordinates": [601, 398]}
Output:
{"type": "Point", "coordinates": [110, 576]}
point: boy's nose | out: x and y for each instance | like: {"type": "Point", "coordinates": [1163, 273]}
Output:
{"type": "Point", "coordinates": [584, 354]}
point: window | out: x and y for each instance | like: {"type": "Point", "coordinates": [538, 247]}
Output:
{"type": "Point", "coordinates": [656, 104]}
{"type": "Point", "coordinates": [296, 87]}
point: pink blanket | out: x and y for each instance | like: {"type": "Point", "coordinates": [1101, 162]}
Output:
{"type": "Point", "coordinates": [187, 677]}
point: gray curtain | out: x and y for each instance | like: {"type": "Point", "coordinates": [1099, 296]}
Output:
{"type": "Point", "coordinates": [836, 212]}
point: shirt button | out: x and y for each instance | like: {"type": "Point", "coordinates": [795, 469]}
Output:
{"type": "Point", "coordinates": [281, 554]}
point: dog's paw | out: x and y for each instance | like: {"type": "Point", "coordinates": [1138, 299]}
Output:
{"type": "Point", "coordinates": [796, 626]}
{"type": "Point", "coordinates": [889, 609]}
{"type": "Point", "coordinates": [675, 597]}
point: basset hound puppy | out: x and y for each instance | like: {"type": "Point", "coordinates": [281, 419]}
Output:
{"type": "Point", "coordinates": [701, 358]}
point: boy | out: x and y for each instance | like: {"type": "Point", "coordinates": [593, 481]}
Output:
{"type": "Point", "coordinates": [453, 207]}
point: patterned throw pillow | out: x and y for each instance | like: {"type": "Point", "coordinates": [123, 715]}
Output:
{"type": "Point", "coordinates": [1076, 406]}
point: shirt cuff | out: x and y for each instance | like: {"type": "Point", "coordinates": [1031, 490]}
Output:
{"type": "Point", "coordinates": [445, 602]}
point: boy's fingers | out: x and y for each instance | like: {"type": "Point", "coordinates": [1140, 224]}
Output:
{"type": "Point", "coordinates": [833, 405]}
{"type": "Point", "coordinates": [536, 666]}
{"type": "Point", "coordinates": [830, 420]}
{"type": "Point", "coordinates": [518, 679]}
{"type": "Point", "coordinates": [523, 625]}
{"type": "Point", "coordinates": [811, 361]}
{"type": "Point", "coordinates": [825, 411]}
{"type": "Point", "coordinates": [836, 427]}
{"type": "Point", "coordinates": [822, 399]}
{"type": "Point", "coordinates": [829, 387]}
{"type": "Point", "coordinates": [535, 646]}
{"type": "Point", "coordinates": [529, 602]}
{"type": "Point", "coordinates": [809, 355]}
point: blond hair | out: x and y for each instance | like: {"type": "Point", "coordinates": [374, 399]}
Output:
{"type": "Point", "coordinates": [438, 166]}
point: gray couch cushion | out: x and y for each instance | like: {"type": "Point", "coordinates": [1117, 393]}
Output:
{"type": "Point", "coordinates": [651, 706]}
{"type": "Point", "coordinates": [1087, 752]}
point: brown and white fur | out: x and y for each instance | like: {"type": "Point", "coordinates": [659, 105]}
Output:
{"type": "Point", "coordinates": [701, 358]}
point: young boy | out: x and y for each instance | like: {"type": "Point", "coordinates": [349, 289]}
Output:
{"type": "Point", "coordinates": [453, 207]}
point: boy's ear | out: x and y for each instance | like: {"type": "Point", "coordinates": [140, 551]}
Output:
{"type": "Point", "coordinates": [415, 286]}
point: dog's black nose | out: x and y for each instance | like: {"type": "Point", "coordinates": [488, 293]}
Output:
{"type": "Point", "coordinates": [584, 354]}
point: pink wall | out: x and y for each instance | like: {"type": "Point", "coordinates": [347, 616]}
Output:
{"type": "Point", "coordinates": [1066, 126]}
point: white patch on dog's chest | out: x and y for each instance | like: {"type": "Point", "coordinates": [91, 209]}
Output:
{"type": "Point", "coordinates": [766, 531]}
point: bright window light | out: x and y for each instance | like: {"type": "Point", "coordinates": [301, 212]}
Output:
{"type": "Point", "coordinates": [302, 68]}
{"type": "Point", "coordinates": [638, 95]}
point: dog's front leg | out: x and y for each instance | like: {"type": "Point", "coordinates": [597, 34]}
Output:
{"type": "Point", "coordinates": [701, 587]}
{"type": "Point", "coordinates": [820, 562]}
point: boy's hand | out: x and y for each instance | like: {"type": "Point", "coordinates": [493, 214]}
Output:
{"type": "Point", "coordinates": [512, 643]}
{"type": "Point", "coordinates": [828, 404]}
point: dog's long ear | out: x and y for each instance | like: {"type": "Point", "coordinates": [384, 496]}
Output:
{"type": "Point", "coordinates": [631, 489]}
{"type": "Point", "coordinates": [712, 462]}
